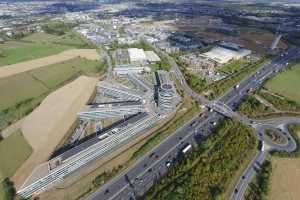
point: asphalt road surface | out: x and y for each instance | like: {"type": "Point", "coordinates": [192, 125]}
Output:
{"type": "Point", "coordinates": [138, 178]}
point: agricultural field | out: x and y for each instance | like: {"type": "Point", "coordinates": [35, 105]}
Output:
{"type": "Point", "coordinates": [38, 45]}
{"type": "Point", "coordinates": [51, 121]}
{"type": "Point", "coordinates": [285, 178]}
{"type": "Point", "coordinates": [23, 92]}
{"type": "Point", "coordinates": [10, 70]}
{"type": "Point", "coordinates": [286, 84]}
{"type": "Point", "coordinates": [15, 146]}
{"type": "Point", "coordinates": [2, 193]}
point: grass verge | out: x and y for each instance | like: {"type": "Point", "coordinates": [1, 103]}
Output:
{"type": "Point", "coordinates": [208, 170]}
{"type": "Point", "coordinates": [252, 107]}
{"type": "Point", "coordinates": [280, 102]}
{"type": "Point", "coordinates": [294, 131]}
{"type": "Point", "coordinates": [259, 186]}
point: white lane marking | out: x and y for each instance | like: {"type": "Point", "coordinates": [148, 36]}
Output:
{"type": "Point", "coordinates": [154, 163]}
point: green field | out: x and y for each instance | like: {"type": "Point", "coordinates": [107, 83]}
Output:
{"type": "Point", "coordinates": [38, 45]}
{"type": "Point", "coordinates": [233, 66]}
{"type": "Point", "coordinates": [2, 192]}
{"type": "Point", "coordinates": [287, 83]}
{"type": "Point", "coordinates": [14, 150]}
{"type": "Point", "coordinates": [23, 92]}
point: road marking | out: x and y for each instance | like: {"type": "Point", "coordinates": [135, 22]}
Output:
{"type": "Point", "coordinates": [151, 166]}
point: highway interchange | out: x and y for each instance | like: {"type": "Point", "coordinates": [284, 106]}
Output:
{"type": "Point", "coordinates": [138, 178]}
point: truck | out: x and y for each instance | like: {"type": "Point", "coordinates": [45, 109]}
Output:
{"type": "Point", "coordinates": [187, 148]}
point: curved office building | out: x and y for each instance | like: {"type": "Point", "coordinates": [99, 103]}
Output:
{"type": "Point", "coordinates": [166, 97]}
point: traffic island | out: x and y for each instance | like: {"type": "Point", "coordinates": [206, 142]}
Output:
{"type": "Point", "coordinates": [274, 136]}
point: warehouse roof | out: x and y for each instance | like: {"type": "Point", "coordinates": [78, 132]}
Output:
{"type": "Point", "coordinates": [136, 54]}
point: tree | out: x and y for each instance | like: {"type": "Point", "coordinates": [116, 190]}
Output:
{"type": "Point", "coordinates": [9, 189]}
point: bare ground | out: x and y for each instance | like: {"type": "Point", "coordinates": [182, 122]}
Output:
{"type": "Point", "coordinates": [47, 125]}
{"type": "Point", "coordinates": [10, 70]}
{"type": "Point", "coordinates": [12, 128]}
{"type": "Point", "coordinates": [285, 179]}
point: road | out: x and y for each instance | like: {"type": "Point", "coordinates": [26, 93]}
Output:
{"type": "Point", "coordinates": [140, 177]}
{"type": "Point", "coordinates": [137, 179]}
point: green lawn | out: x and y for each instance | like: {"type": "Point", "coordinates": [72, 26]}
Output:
{"type": "Point", "coordinates": [233, 66]}
{"type": "Point", "coordinates": [14, 150]}
{"type": "Point", "coordinates": [2, 192]}
{"type": "Point", "coordinates": [287, 83]}
{"type": "Point", "coordinates": [38, 45]}
{"type": "Point", "coordinates": [56, 74]}
{"type": "Point", "coordinates": [17, 88]}
{"type": "Point", "coordinates": [21, 93]}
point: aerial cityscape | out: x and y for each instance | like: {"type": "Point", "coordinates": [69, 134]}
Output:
{"type": "Point", "coordinates": [149, 100]}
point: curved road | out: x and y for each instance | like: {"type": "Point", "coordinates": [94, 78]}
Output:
{"type": "Point", "coordinates": [137, 179]}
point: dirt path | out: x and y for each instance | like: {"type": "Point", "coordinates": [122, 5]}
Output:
{"type": "Point", "coordinates": [10, 70]}
{"type": "Point", "coordinates": [47, 125]}
{"type": "Point", "coordinates": [12, 128]}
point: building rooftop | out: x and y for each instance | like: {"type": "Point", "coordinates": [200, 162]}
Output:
{"type": "Point", "coordinates": [152, 56]}
{"type": "Point", "coordinates": [137, 55]}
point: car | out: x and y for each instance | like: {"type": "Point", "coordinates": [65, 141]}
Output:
{"type": "Point", "coordinates": [193, 123]}
{"type": "Point", "coordinates": [214, 123]}
{"type": "Point", "coordinates": [243, 177]}
{"type": "Point", "coordinates": [151, 155]}
{"type": "Point", "coordinates": [235, 190]}
{"type": "Point", "coordinates": [106, 191]}
{"type": "Point", "coordinates": [168, 164]}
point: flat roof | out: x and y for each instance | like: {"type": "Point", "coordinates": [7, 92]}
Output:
{"type": "Point", "coordinates": [152, 56]}
{"type": "Point", "coordinates": [84, 145]}
{"type": "Point", "coordinates": [223, 55]}
{"type": "Point", "coordinates": [136, 54]}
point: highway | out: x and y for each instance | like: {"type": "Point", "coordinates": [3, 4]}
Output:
{"type": "Point", "coordinates": [140, 177]}
{"type": "Point", "coordinates": [232, 98]}
{"type": "Point", "coordinates": [136, 180]}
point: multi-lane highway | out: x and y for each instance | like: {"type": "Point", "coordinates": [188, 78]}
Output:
{"type": "Point", "coordinates": [136, 180]}
{"type": "Point", "coordinates": [140, 177]}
